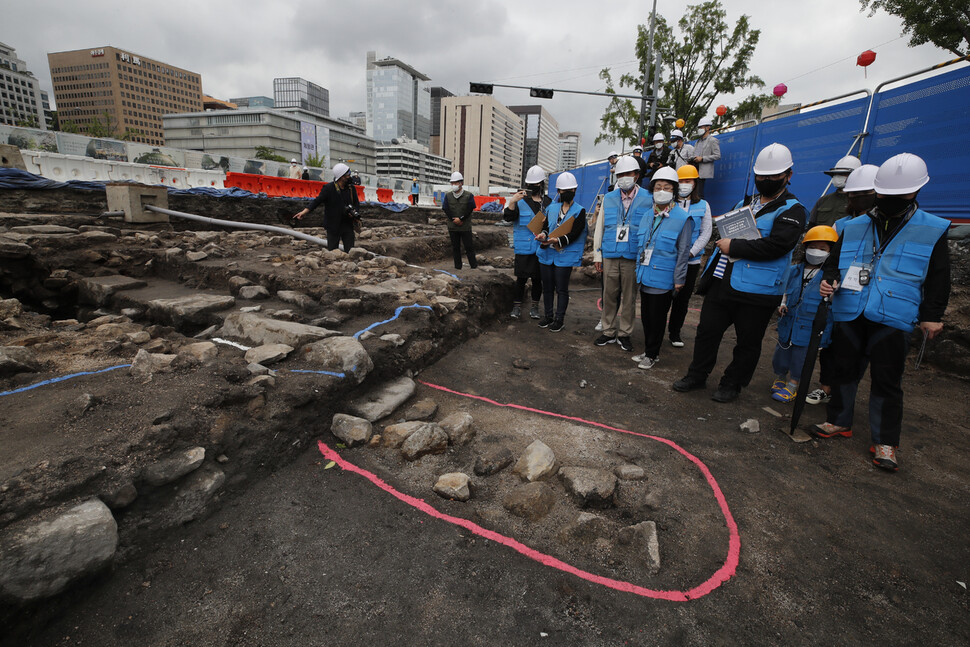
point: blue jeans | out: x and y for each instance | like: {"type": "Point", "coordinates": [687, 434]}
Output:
{"type": "Point", "coordinates": [789, 361]}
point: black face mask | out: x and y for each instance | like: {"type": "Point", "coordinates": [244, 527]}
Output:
{"type": "Point", "coordinates": [567, 195]}
{"type": "Point", "coordinates": [860, 204]}
{"type": "Point", "coordinates": [769, 187]}
{"type": "Point", "coordinates": [892, 206]}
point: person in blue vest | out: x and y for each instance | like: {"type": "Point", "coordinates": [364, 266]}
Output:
{"type": "Point", "coordinates": [700, 214]}
{"type": "Point", "coordinates": [889, 272]}
{"type": "Point", "coordinates": [415, 191]}
{"type": "Point", "coordinates": [664, 239]}
{"type": "Point", "coordinates": [525, 204]}
{"type": "Point", "coordinates": [745, 279]}
{"type": "Point", "coordinates": [615, 253]}
{"type": "Point", "coordinates": [558, 255]}
{"type": "Point", "coordinates": [797, 310]}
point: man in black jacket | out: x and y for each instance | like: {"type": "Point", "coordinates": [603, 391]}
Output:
{"type": "Point", "coordinates": [340, 204]}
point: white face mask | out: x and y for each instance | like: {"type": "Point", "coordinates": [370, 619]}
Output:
{"type": "Point", "coordinates": [685, 189]}
{"type": "Point", "coordinates": [625, 183]}
{"type": "Point", "coordinates": [815, 256]}
{"type": "Point", "coordinates": [663, 197]}
{"type": "Point", "coordinates": [838, 181]}
{"type": "Point", "coordinates": [658, 145]}
{"type": "Point", "coordinates": [456, 188]}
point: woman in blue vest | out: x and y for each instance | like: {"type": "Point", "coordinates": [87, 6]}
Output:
{"type": "Point", "coordinates": [797, 310]}
{"type": "Point", "coordinates": [889, 272]}
{"type": "Point", "coordinates": [558, 255]}
{"type": "Point", "coordinates": [700, 215]}
{"type": "Point", "coordinates": [524, 205]}
{"type": "Point", "coordinates": [664, 238]}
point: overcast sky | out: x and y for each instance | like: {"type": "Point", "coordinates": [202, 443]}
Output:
{"type": "Point", "coordinates": [239, 47]}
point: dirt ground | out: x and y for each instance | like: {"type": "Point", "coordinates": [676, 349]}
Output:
{"type": "Point", "coordinates": [832, 550]}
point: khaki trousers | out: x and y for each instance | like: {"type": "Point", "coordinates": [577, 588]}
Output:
{"type": "Point", "coordinates": [619, 296]}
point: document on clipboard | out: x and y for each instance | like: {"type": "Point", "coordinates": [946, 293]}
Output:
{"type": "Point", "coordinates": [739, 223]}
{"type": "Point", "coordinates": [537, 223]}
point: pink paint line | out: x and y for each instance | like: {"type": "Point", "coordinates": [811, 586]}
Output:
{"type": "Point", "coordinates": [723, 574]}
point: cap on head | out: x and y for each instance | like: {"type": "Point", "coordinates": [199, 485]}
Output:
{"type": "Point", "coordinates": [845, 166]}
{"type": "Point", "coordinates": [566, 180]}
{"type": "Point", "coordinates": [535, 175]}
{"type": "Point", "coordinates": [772, 160]}
{"type": "Point", "coordinates": [901, 174]}
{"type": "Point", "coordinates": [687, 172]}
{"type": "Point", "coordinates": [861, 179]}
{"type": "Point", "coordinates": [340, 170]}
{"type": "Point", "coordinates": [665, 173]}
{"type": "Point", "coordinates": [821, 233]}
{"type": "Point", "coordinates": [626, 164]}
{"type": "Point", "coordinates": [457, 177]}
{"type": "Point", "coordinates": [659, 137]}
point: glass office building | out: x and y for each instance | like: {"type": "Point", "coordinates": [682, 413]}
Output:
{"type": "Point", "coordinates": [398, 101]}
{"type": "Point", "coordinates": [294, 92]}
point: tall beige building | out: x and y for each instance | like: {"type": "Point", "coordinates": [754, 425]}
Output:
{"type": "Point", "coordinates": [484, 139]}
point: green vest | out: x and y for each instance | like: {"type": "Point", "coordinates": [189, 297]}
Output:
{"type": "Point", "coordinates": [830, 208]}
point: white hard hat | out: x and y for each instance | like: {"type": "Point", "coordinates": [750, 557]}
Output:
{"type": "Point", "coordinates": [845, 166]}
{"type": "Point", "coordinates": [612, 154]}
{"type": "Point", "coordinates": [659, 137]}
{"type": "Point", "coordinates": [676, 133]}
{"type": "Point", "coordinates": [665, 173]}
{"type": "Point", "coordinates": [535, 175]}
{"type": "Point", "coordinates": [293, 161]}
{"type": "Point", "coordinates": [772, 160]}
{"type": "Point", "coordinates": [705, 121]}
{"type": "Point", "coordinates": [306, 168]}
{"type": "Point", "coordinates": [626, 164]}
{"type": "Point", "coordinates": [638, 147]}
{"type": "Point", "coordinates": [901, 174]}
{"type": "Point", "coordinates": [457, 177]}
{"type": "Point", "coordinates": [566, 181]}
{"type": "Point", "coordinates": [340, 170]}
{"type": "Point", "coordinates": [861, 179]}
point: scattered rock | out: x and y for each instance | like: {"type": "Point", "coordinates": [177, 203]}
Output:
{"type": "Point", "coordinates": [268, 353]}
{"type": "Point", "coordinates": [395, 435]}
{"type": "Point", "coordinates": [343, 355]}
{"type": "Point", "coordinates": [643, 539]}
{"type": "Point", "coordinates": [191, 309]}
{"type": "Point", "coordinates": [257, 369]}
{"type": "Point", "coordinates": [10, 308]}
{"type": "Point", "coordinates": [394, 338]}
{"type": "Point", "coordinates": [453, 485]}
{"type": "Point", "coordinates": [17, 359]}
{"type": "Point", "coordinates": [629, 472]}
{"type": "Point", "coordinates": [174, 467]}
{"type": "Point", "coordinates": [140, 337]}
{"type": "Point", "coordinates": [459, 428]}
{"type": "Point", "coordinates": [203, 351]}
{"type": "Point", "coordinates": [236, 282]}
{"type": "Point", "coordinates": [351, 430]}
{"type": "Point", "coordinates": [382, 401]}
{"type": "Point", "coordinates": [263, 330]}
{"type": "Point", "coordinates": [39, 559]}
{"type": "Point", "coordinates": [350, 306]}
{"type": "Point", "coordinates": [751, 425]}
{"type": "Point", "coordinates": [297, 298]}
{"type": "Point", "coordinates": [84, 403]}
{"type": "Point", "coordinates": [428, 439]}
{"type": "Point", "coordinates": [537, 462]}
{"type": "Point", "coordinates": [146, 364]}
{"type": "Point", "coordinates": [253, 292]}
{"type": "Point", "coordinates": [99, 289]}
{"type": "Point", "coordinates": [250, 308]}
{"type": "Point", "coordinates": [120, 496]}
{"type": "Point", "coordinates": [196, 256]}
{"type": "Point", "coordinates": [520, 363]}
{"type": "Point", "coordinates": [195, 493]}
{"type": "Point", "coordinates": [586, 528]}
{"type": "Point", "coordinates": [531, 501]}
{"type": "Point", "coordinates": [493, 461]}
{"type": "Point", "coordinates": [422, 410]}
{"type": "Point", "coordinates": [590, 487]}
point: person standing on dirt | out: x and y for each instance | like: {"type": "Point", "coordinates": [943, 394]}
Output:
{"type": "Point", "coordinates": [341, 214]}
{"type": "Point", "coordinates": [458, 206]}
{"type": "Point", "coordinates": [888, 273]}
{"type": "Point", "coordinates": [700, 215]}
{"type": "Point", "coordinates": [744, 280]}
{"type": "Point", "coordinates": [524, 205]}
{"type": "Point", "coordinates": [834, 206]}
{"type": "Point", "coordinates": [707, 150]}
{"type": "Point", "coordinates": [558, 255]}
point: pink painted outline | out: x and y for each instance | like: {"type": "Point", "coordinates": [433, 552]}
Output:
{"type": "Point", "coordinates": [723, 574]}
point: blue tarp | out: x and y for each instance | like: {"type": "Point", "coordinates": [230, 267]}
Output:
{"type": "Point", "coordinates": [492, 207]}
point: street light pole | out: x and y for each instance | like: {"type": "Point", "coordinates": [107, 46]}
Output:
{"type": "Point", "coordinates": [646, 72]}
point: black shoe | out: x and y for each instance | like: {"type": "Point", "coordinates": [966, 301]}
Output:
{"type": "Point", "coordinates": [625, 343]}
{"type": "Point", "coordinates": [675, 340]}
{"type": "Point", "coordinates": [688, 383]}
{"type": "Point", "coordinates": [557, 325]}
{"type": "Point", "coordinates": [545, 322]}
{"type": "Point", "coordinates": [516, 311]}
{"type": "Point", "coordinates": [726, 394]}
{"type": "Point", "coordinates": [603, 340]}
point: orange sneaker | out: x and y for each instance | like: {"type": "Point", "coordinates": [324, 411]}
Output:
{"type": "Point", "coordinates": [884, 456]}
{"type": "Point", "coordinates": [828, 430]}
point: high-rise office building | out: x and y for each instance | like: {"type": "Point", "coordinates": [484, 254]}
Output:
{"type": "Point", "coordinates": [437, 93]}
{"type": "Point", "coordinates": [409, 159]}
{"type": "Point", "coordinates": [541, 138]}
{"type": "Point", "coordinates": [484, 140]}
{"type": "Point", "coordinates": [359, 120]}
{"type": "Point", "coordinates": [294, 92]}
{"type": "Point", "coordinates": [568, 151]}
{"type": "Point", "coordinates": [132, 91]}
{"type": "Point", "coordinates": [21, 99]}
{"type": "Point", "coordinates": [398, 101]}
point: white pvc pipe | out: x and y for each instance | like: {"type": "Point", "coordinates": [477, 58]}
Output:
{"type": "Point", "coordinates": [238, 225]}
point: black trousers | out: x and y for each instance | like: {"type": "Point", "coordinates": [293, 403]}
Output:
{"type": "Point", "coordinates": [678, 308]}
{"type": "Point", "coordinates": [457, 239]}
{"type": "Point", "coordinates": [856, 344]}
{"type": "Point", "coordinates": [700, 187]}
{"type": "Point", "coordinates": [750, 322]}
{"type": "Point", "coordinates": [653, 315]}
{"type": "Point", "coordinates": [344, 234]}
{"type": "Point", "coordinates": [555, 283]}
{"type": "Point", "coordinates": [520, 281]}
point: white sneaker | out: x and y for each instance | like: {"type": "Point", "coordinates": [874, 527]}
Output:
{"type": "Point", "coordinates": [599, 326]}
{"type": "Point", "coordinates": [818, 396]}
{"type": "Point", "coordinates": [648, 362]}
{"type": "Point", "coordinates": [639, 358]}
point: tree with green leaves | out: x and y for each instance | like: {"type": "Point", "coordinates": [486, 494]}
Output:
{"type": "Point", "coordinates": [99, 127]}
{"type": "Point", "coordinates": [706, 59]}
{"type": "Point", "coordinates": [267, 153]}
{"type": "Point", "coordinates": [945, 23]}
{"type": "Point", "coordinates": [316, 161]}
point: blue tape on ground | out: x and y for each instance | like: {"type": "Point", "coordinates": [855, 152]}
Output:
{"type": "Point", "coordinates": [330, 373]}
{"type": "Point", "coordinates": [61, 379]}
{"type": "Point", "coordinates": [397, 313]}
{"type": "Point", "coordinates": [449, 274]}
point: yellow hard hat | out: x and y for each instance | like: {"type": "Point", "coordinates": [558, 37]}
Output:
{"type": "Point", "coordinates": [821, 233]}
{"type": "Point", "coordinates": [687, 172]}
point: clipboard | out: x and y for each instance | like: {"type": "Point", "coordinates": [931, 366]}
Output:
{"type": "Point", "coordinates": [562, 230]}
{"type": "Point", "coordinates": [537, 223]}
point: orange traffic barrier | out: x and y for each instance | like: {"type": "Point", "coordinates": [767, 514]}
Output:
{"type": "Point", "coordinates": [385, 195]}
{"type": "Point", "coordinates": [485, 199]}
{"type": "Point", "coordinates": [246, 181]}
{"type": "Point", "coordinates": [360, 193]}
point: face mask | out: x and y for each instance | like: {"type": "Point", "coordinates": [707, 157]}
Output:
{"type": "Point", "coordinates": [567, 195]}
{"type": "Point", "coordinates": [685, 189]}
{"type": "Point", "coordinates": [625, 183]}
{"type": "Point", "coordinates": [860, 204]}
{"type": "Point", "coordinates": [658, 145]}
{"type": "Point", "coordinates": [838, 181]}
{"type": "Point", "coordinates": [456, 188]}
{"type": "Point", "coordinates": [768, 187]}
{"type": "Point", "coordinates": [535, 189]}
{"type": "Point", "coordinates": [815, 256]}
{"type": "Point", "coordinates": [662, 197]}
{"type": "Point", "coordinates": [891, 206]}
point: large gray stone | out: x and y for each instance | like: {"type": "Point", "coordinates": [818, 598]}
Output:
{"type": "Point", "coordinates": [298, 299]}
{"type": "Point", "coordinates": [392, 286]}
{"type": "Point", "coordinates": [493, 461]}
{"type": "Point", "coordinates": [537, 462]}
{"type": "Point", "coordinates": [43, 229]}
{"type": "Point", "coordinates": [454, 485]}
{"type": "Point", "coordinates": [459, 428]}
{"type": "Point", "coordinates": [341, 355]}
{"type": "Point", "coordinates": [10, 308]}
{"type": "Point", "coordinates": [630, 472]}
{"type": "Point", "coordinates": [643, 539]}
{"type": "Point", "coordinates": [194, 494]}
{"type": "Point", "coordinates": [395, 435]}
{"type": "Point", "coordinates": [586, 528]}
{"type": "Point", "coordinates": [14, 249]}
{"type": "Point", "coordinates": [147, 364]}
{"type": "Point", "coordinates": [236, 282]}
{"type": "Point", "coordinates": [590, 487]}
{"type": "Point", "coordinates": [174, 467]}
{"type": "Point", "coordinates": [532, 501]}
{"type": "Point", "coordinates": [253, 292]}
{"type": "Point", "coordinates": [17, 359]}
{"type": "Point", "coordinates": [421, 410]}
{"type": "Point", "coordinates": [268, 354]}
{"type": "Point", "coordinates": [382, 401]}
{"type": "Point", "coordinates": [428, 439]}
{"type": "Point", "coordinates": [351, 430]}
{"type": "Point", "coordinates": [40, 558]}
{"type": "Point", "coordinates": [98, 289]}
{"type": "Point", "coordinates": [192, 309]}
{"type": "Point", "coordinates": [263, 330]}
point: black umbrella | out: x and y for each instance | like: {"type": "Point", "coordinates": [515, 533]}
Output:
{"type": "Point", "coordinates": [818, 327]}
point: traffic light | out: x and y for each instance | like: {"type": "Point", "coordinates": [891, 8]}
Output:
{"type": "Point", "coordinates": [480, 88]}
{"type": "Point", "coordinates": [540, 93]}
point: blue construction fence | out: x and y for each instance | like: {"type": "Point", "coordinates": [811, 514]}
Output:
{"type": "Point", "coordinates": [929, 117]}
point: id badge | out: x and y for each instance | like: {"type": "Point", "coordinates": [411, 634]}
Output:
{"type": "Point", "coordinates": [623, 233]}
{"type": "Point", "coordinates": [857, 276]}
{"type": "Point", "coordinates": [645, 256]}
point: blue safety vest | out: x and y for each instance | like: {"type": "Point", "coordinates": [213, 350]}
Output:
{"type": "Point", "coordinates": [696, 213]}
{"type": "Point", "coordinates": [613, 215]}
{"type": "Point", "coordinates": [523, 240]}
{"type": "Point", "coordinates": [895, 289]}
{"type": "Point", "coordinates": [572, 254]}
{"type": "Point", "coordinates": [659, 273]}
{"type": "Point", "coordinates": [795, 327]}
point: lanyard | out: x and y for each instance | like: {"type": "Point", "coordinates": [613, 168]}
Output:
{"type": "Point", "coordinates": [658, 220]}
{"type": "Point", "coordinates": [626, 212]}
